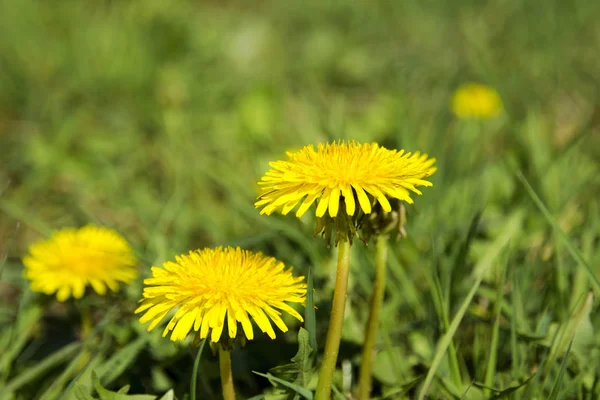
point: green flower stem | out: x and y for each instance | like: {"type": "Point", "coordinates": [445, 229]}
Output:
{"type": "Point", "coordinates": [226, 376]}
{"type": "Point", "coordinates": [336, 321]}
{"type": "Point", "coordinates": [86, 321]}
{"type": "Point", "coordinates": [87, 324]}
{"type": "Point", "coordinates": [366, 367]}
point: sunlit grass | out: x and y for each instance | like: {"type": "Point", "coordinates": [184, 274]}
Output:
{"type": "Point", "coordinates": [157, 121]}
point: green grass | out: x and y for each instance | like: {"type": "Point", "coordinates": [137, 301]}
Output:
{"type": "Point", "coordinates": [158, 119]}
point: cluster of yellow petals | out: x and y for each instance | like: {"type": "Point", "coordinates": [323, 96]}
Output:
{"type": "Point", "coordinates": [213, 287]}
{"type": "Point", "coordinates": [474, 100]}
{"type": "Point", "coordinates": [351, 171]}
{"type": "Point", "coordinates": [71, 259]}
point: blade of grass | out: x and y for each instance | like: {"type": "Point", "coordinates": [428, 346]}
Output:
{"type": "Point", "coordinates": [106, 394]}
{"type": "Point", "coordinates": [170, 395]}
{"type": "Point", "coordinates": [442, 306]}
{"type": "Point", "coordinates": [514, 316]}
{"type": "Point", "coordinates": [21, 332]}
{"type": "Point", "coordinates": [310, 318]}
{"type": "Point", "coordinates": [16, 212]}
{"type": "Point", "coordinates": [113, 367]}
{"type": "Point", "coordinates": [307, 394]}
{"type": "Point", "coordinates": [9, 246]}
{"type": "Point", "coordinates": [567, 332]}
{"type": "Point", "coordinates": [55, 389]}
{"type": "Point", "coordinates": [409, 291]}
{"type": "Point", "coordinates": [510, 228]}
{"type": "Point", "coordinates": [561, 374]}
{"type": "Point", "coordinates": [533, 386]}
{"type": "Point", "coordinates": [502, 393]}
{"type": "Point", "coordinates": [397, 392]}
{"type": "Point", "coordinates": [31, 374]}
{"type": "Point", "coordinates": [389, 348]}
{"type": "Point", "coordinates": [337, 394]}
{"type": "Point", "coordinates": [194, 380]}
{"type": "Point", "coordinates": [82, 361]}
{"type": "Point", "coordinates": [580, 285]}
{"type": "Point", "coordinates": [490, 372]}
{"type": "Point", "coordinates": [561, 234]}
{"type": "Point", "coordinates": [83, 380]}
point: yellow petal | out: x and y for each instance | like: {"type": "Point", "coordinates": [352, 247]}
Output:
{"type": "Point", "coordinates": [323, 203]}
{"type": "Point", "coordinates": [78, 288]}
{"type": "Point", "coordinates": [63, 293]}
{"type": "Point", "coordinates": [274, 315]}
{"type": "Point", "coordinates": [290, 206]}
{"type": "Point", "coordinates": [262, 321]}
{"type": "Point", "coordinates": [199, 317]}
{"type": "Point", "coordinates": [308, 201]}
{"type": "Point", "coordinates": [231, 323]}
{"type": "Point", "coordinates": [156, 321]}
{"type": "Point", "coordinates": [184, 326]}
{"type": "Point", "coordinates": [205, 325]}
{"type": "Point", "coordinates": [242, 316]}
{"type": "Point", "coordinates": [159, 308]}
{"type": "Point", "coordinates": [98, 286]}
{"type": "Point", "coordinates": [216, 333]}
{"type": "Point", "coordinates": [349, 199]}
{"type": "Point", "coordinates": [363, 199]}
{"type": "Point", "coordinates": [334, 202]}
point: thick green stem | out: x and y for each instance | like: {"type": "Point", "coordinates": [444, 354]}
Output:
{"type": "Point", "coordinates": [366, 367]}
{"type": "Point", "coordinates": [336, 321]}
{"type": "Point", "coordinates": [87, 324]}
{"type": "Point", "coordinates": [226, 376]}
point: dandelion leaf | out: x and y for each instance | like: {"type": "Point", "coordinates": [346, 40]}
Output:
{"type": "Point", "coordinates": [298, 390]}
{"type": "Point", "coordinates": [299, 370]}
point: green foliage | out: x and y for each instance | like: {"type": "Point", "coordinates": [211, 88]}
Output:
{"type": "Point", "coordinates": [105, 394]}
{"type": "Point", "coordinates": [112, 368]}
{"type": "Point", "coordinates": [310, 317]}
{"type": "Point", "coordinates": [305, 393]}
{"type": "Point", "coordinates": [299, 371]}
{"type": "Point", "coordinates": [158, 121]}
{"type": "Point", "coordinates": [194, 378]}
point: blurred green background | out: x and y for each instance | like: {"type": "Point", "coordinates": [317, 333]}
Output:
{"type": "Point", "coordinates": [157, 119]}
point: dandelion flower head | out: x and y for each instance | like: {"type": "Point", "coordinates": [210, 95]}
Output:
{"type": "Point", "coordinates": [344, 173]}
{"type": "Point", "coordinates": [474, 100]}
{"type": "Point", "coordinates": [217, 288]}
{"type": "Point", "coordinates": [71, 259]}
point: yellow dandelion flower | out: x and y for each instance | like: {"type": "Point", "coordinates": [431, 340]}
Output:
{"type": "Point", "coordinates": [72, 259]}
{"type": "Point", "coordinates": [214, 288]}
{"type": "Point", "coordinates": [341, 171]}
{"type": "Point", "coordinates": [474, 100]}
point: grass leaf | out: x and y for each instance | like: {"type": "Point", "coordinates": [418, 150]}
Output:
{"type": "Point", "coordinates": [561, 374]}
{"type": "Point", "coordinates": [490, 372]}
{"type": "Point", "coordinates": [575, 253]}
{"type": "Point", "coordinates": [106, 394]}
{"type": "Point", "coordinates": [33, 373]}
{"type": "Point", "coordinates": [118, 363]}
{"type": "Point", "coordinates": [310, 318]}
{"type": "Point", "coordinates": [307, 394]}
{"type": "Point", "coordinates": [194, 380]}
{"type": "Point", "coordinates": [510, 228]}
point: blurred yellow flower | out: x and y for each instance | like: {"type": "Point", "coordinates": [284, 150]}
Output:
{"type": "Point", "coordinates": [72, 259]}
{"type": "Point", "coordinates": [214, 288]}
{"type": "Point", "coordinates": [474, 100]}
{"type": "Point", "coordinates": [350, 171]}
